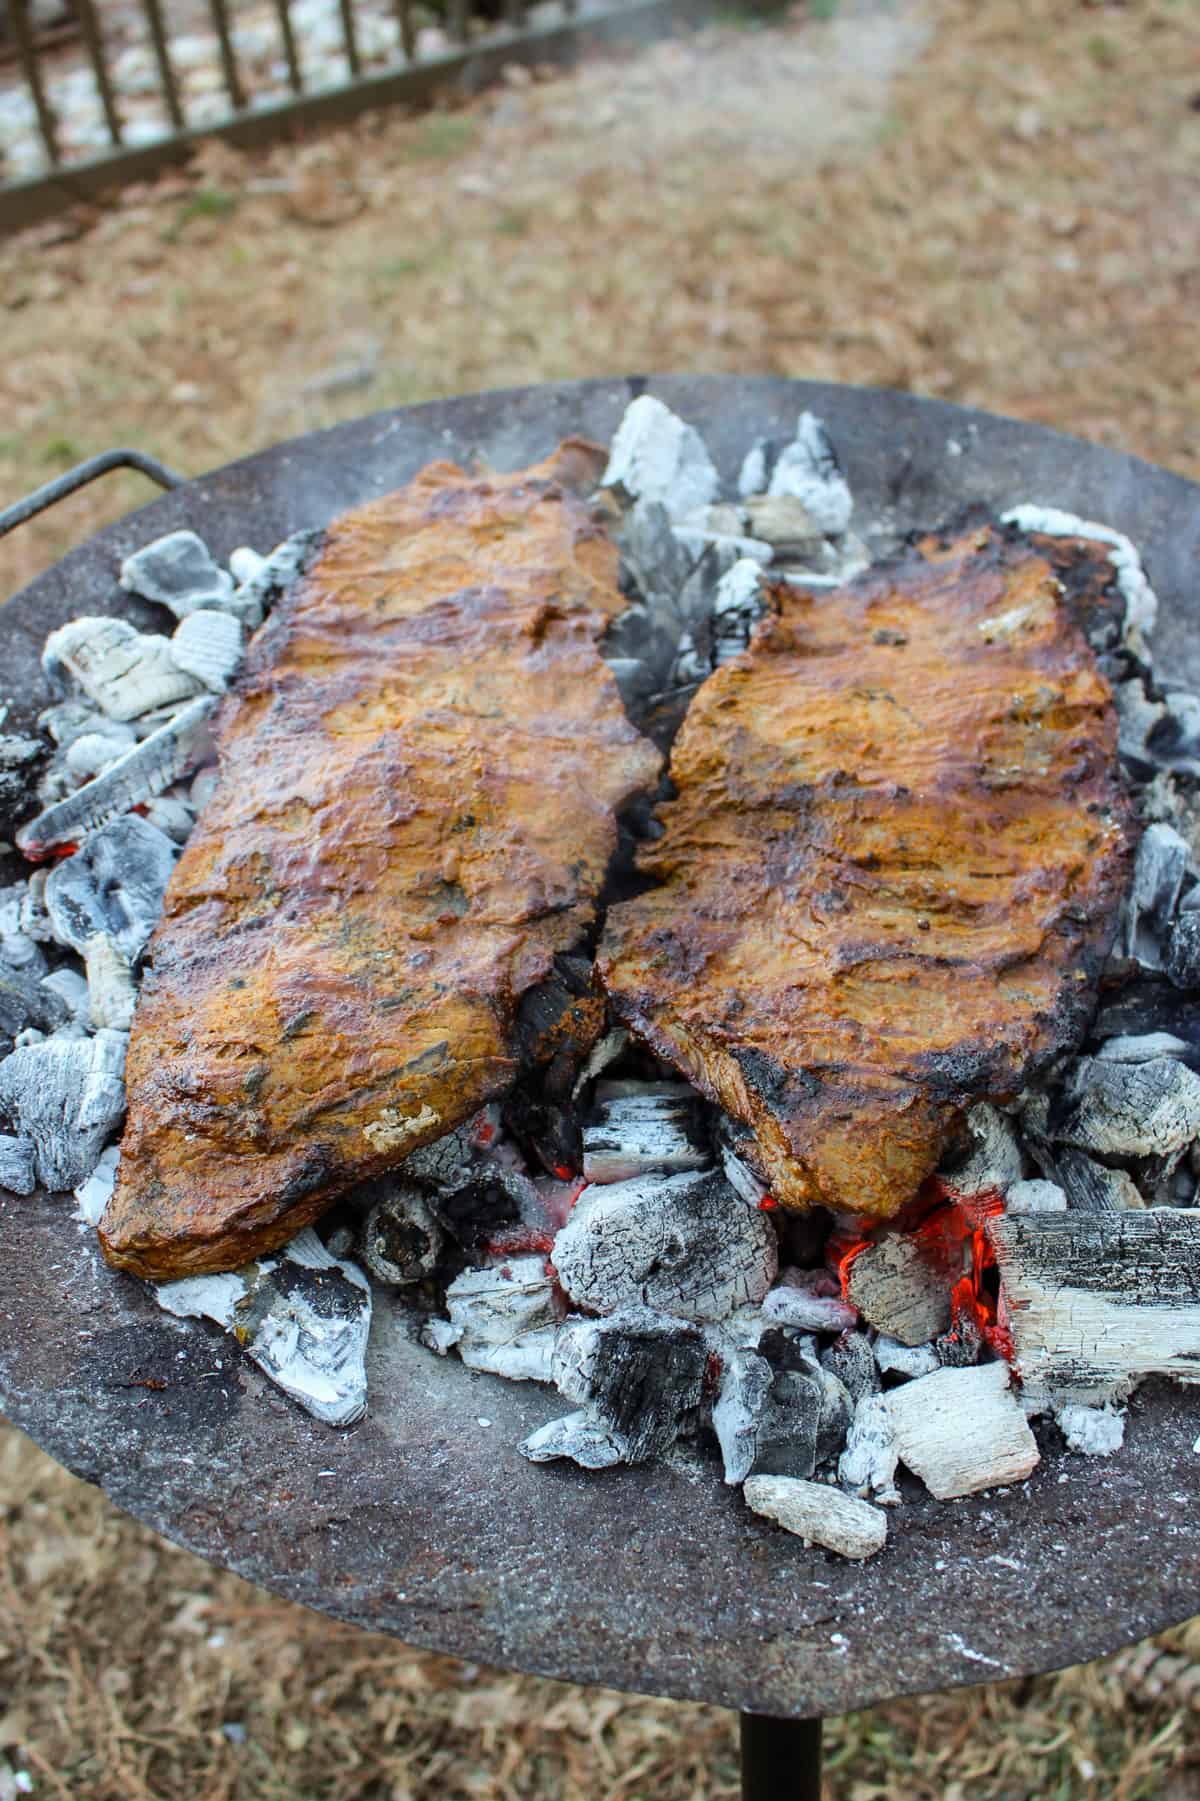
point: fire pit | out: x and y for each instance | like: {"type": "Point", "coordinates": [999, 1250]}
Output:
{"type": "Point", "coordinates": [424, 1520]}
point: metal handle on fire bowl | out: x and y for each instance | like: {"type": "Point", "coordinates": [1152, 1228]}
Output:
{"type": "Point", "coordinates": [79, 477]}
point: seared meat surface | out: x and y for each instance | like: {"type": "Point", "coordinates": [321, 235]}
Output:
{"type": "Point", "coordinates": [893, 865]}
{"type": "Point", "coordinates": [419, 772]}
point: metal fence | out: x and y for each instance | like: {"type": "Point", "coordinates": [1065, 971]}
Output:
{"type": "Point", "coordinates": [394, 62]}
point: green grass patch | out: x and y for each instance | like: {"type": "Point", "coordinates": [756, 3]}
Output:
{"type": "Point", "coordinates": [62, 451]}
{"type": "Point", "coordinates": [442, 136]}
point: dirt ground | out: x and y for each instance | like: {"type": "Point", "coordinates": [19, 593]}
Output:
{"type": "Point", "coordinates": [991, 203]}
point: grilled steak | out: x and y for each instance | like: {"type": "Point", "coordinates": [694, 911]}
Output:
{"type": "Point", "coordinates": [419, 768]}
{"type": "Point", "coordinates": [893, 865]}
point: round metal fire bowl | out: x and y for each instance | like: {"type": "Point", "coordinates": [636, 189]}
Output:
{"type": "Point", "coordinates": [424, 1521]}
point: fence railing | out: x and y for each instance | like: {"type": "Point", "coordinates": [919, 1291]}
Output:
{"type": "Point", "coordinates": [296, 62]}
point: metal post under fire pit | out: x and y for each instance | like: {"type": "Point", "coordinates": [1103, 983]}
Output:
{"type": "Point", "coordinates": [781, 1759]}
{"type": "Point", "coordinates": [654, 1578]}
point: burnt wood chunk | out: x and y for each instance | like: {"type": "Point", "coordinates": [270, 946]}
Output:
{"type": "Point", "coordinates": [892, 867]}
{"type": "Point", "coordinates": [640, 1371]}
{"type": "Point", "coordinates": [420, 766]}
{"type": "Point", "coordinates": [1096, 1301]}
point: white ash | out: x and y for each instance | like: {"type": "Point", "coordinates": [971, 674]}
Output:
{"type": "Point", "coordinates": [246, 565]}
{"type": "Point", "coordinates": [819, 1515]}
{"type": "Point", "coordinates": [867, 1466]}
{"type": "Point", "coordinates": [583, 1437]}
{"type": "Point", "coordinates": [962, 1430]}
{"type": "Point", "coordinates": [303, 1317]}
{"type": "Point", "coordinates": [67, 1095]}
{"type": "Point", "coordinates": [641, 1372]}
{"type": "Point", "coordinates": [655, 456]}
{"type": "Point", "coordinates": [18, 1159]}
{"type": "Point", "coordinates": [1141, 604]}
{"type": "Point", "coordinates": [208, 646]}
{"type": "Point", "coordinates": [95, 1192]}
{"type": "Point", "coordinates": [112, 886]}
{"type": "Point", "coordinates": [84, 759]}
{"type": "Point", "coordinates": [810, 1299]}
{"type": "Point", "coordinates": [806, 470]}
{"type": "Point", "coordinates": [1095, 1431]}
{"type": "Point", "coordinates": [124, 671]}
{"type": "Point", "coordinates": [910, 1361]}
{"type": "Point", "coordinates": [684, 1244]}
{"type": "Point", "coordinates": [439, 1335]}
{"type": "Point", "coordinates": [171, 751]}
{"type": "Point", "coordinates": [899, 1289]}
{"type": "Point", "coordinates": [1134, 1110]}
{"type": "Point", "coordinates": [529, 1358]}
{"type": "Point", "coordinates": [261, 582]}
{"type": "Point", "coordinates": [177, 571]}
{"type": "Point", "coordinates": [634, 1134]}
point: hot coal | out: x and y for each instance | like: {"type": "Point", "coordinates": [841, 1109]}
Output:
{"type": "Point", "coordinates": [401, 1240]}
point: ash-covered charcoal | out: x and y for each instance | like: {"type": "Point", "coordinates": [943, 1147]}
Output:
{"type": "Point", "coordinates": [93, 1195]}
{"type": "Point", "coordinates": [743, 1392]}
{"type": "Point", "coordinates": [867, 1466]}
{"type": "Point", "coordinates": [995, 1160]}
{"type": "Point", "coordinates": [606, 1051]}
{"type": "Point", "coordinates": [810, 1299]}
{"type": "Point", "coordinates": [1174, 740]}
{"type": "Point", "coordinates": [1147, 1109]}
{"type": "Point", "coordinates": [112, 992]}
{"type": "Point", "coordinates": [25, 1002]}
{"type": "Point", "coordinates": [655, 456]}
{"type": "Point", "coordinates": [112, 886]}
{"type": "Point", "coordinates": [1091, 1187]}
{"type": "Point", "coordinates": [303, 1317]}
{"type": "Point", "coordinates": [401, 1241]}
{"type": "Point", "coordinates": [172, 815]}
{"type": "Point", "coordinates": [261, 580]}
{"type": "Point", "coordinates": [208, 645]}
{"type": "Point", "coordinates": [901, 1288]}
{"type": "Point", "coordinates": [67, 1096]}
{"type": "Point", "coordinates": [1182, 961]}
{"type": "Point", "coordinates": [740, 601]}
{"type": "Point", "coordinates": [178, 572]}
{"type": "Point", "coordinates": [819, 1514]}
{"type": "Point", "coordinates": [18, 1158]}
{"type": "Point", "coordinates": [1035, 1196]}
{"type": "Point", "coordinates": [72, 989]}
{"type": "Point", "coordinates": [851, 1359]}
{"type": "Point", "coordinates": [656, 1127]}
{"type": "Point", "coordinates": [1153, 898]}
{"type": "Point", "coordinates": [35, 922]}
{"type": "Point", "coordinates": [806, 470]}
{"type": "Point", "coordinates": [807, 1409]}
{"type": "Point", "coordinates": [906, 1361]}
{"type": "Point", "coordinates": [1095, 1431]}
{"type": "Point", "coordinates": [86, 757]}
{"type": "Point", "coordinates": [1145, 1005]}
{"type": "Point", "coordinates": [962, 1430]}
{"type": "Point", "coordinates": [506, 1319]}
{"type": "Point", "coordinates": [19, 760]}
{"type": "Point", "coordinates": [1143, 1047]}
{"type": "Point", "coordinates": [640, 1371]}
{"type": "Point", "coordinates": [125, 672]}
{"type": "Point", "coordinates": [171, 751]}
{"type": "Point", "coordinates": [583, 1437]}
{"type": "Point", "coordinates": [685, 1244]}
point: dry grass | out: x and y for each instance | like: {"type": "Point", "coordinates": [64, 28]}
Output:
{"type": "Point", "coordinates": [994, 203]}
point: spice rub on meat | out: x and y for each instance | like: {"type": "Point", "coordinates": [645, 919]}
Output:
{"type": "Point", "coordinates": [893, 866]}
{"type": "Point", "coordinates": [419, 771]}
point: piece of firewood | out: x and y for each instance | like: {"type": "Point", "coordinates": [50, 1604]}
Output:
{"type": "Point", "coordinates": [1098, 1300]}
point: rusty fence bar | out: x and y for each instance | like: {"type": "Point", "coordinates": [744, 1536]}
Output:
{"type": "Point", "coordinates": [162, 54]}
{"type": "Point", "coordinates": [481, 49]}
